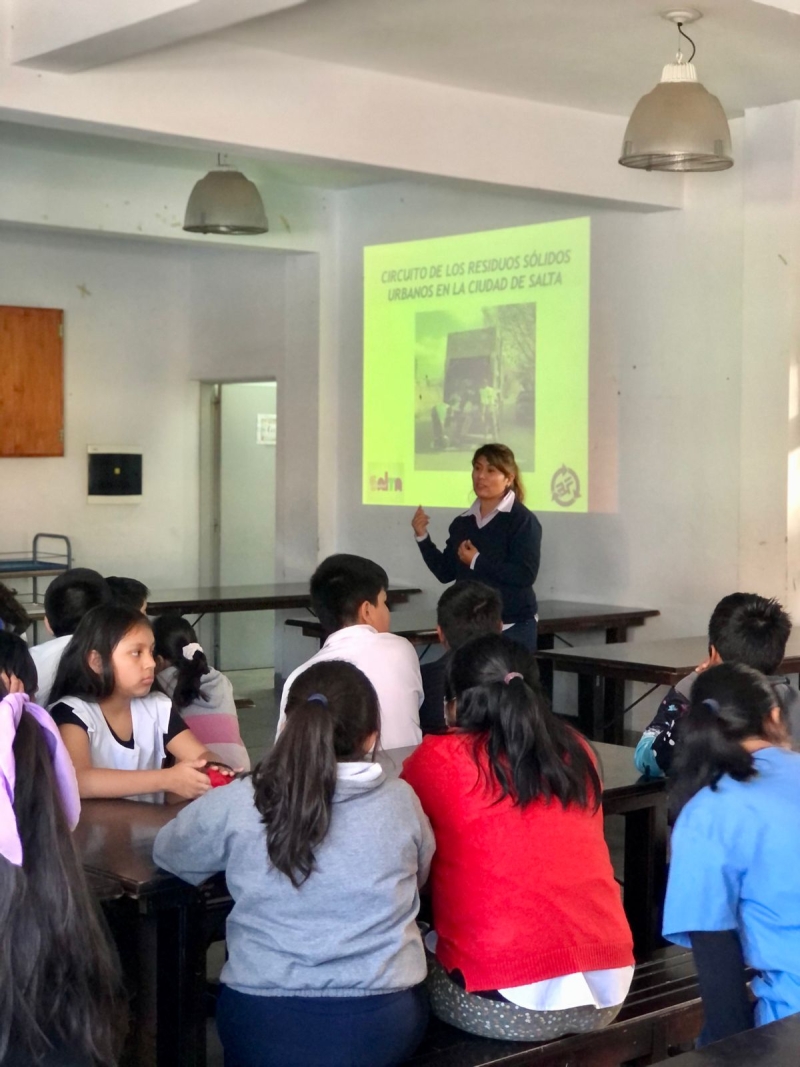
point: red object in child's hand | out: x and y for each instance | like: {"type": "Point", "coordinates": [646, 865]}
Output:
{"type": "Point", "coordinates": [216, 777]}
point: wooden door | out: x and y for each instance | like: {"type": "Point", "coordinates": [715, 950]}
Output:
{"type": "Point", "coordinates": [31, 382]}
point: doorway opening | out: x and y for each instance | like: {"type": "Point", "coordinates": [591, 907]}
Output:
{"type": "Point", "coordinates": [238, 445]}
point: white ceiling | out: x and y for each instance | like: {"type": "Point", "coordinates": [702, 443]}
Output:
{"type": "Point", "coordinates": [166, 152]}
{"type": "Point", "coordinates": [600, 55]}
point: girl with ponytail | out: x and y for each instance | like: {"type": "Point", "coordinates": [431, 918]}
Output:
{"type": "Point", "coordinates": [531, 940]}
{"type": "Point", "coordinates": [201, 695]}
{"type": "Point", "coordinates": [733, 893]}
{"type": "Point", "coordinates": [323, 856]}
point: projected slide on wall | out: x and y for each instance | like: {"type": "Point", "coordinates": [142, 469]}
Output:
{"type": "Point", "coordinates": [475, 338]}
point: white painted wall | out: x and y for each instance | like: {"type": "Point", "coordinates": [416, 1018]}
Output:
{"type": "Point", "coordinates": [157, 319]}
{"type": "Point", "coordinates": [127, 382]}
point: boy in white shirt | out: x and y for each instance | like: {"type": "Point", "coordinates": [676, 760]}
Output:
{"type": "Point", "coordinates": [66, 601]}
{"type": "Point", "coordinates": [348, 595]}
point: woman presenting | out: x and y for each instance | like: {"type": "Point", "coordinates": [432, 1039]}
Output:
{"type": "Point", "coordinates": [497, 541]}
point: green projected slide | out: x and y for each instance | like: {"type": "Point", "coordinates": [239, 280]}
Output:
{"type": "Point", "coordinates": [481, 337]}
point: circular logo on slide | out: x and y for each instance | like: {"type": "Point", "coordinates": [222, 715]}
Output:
{"type": "Point", "coordinates": [565, 486]}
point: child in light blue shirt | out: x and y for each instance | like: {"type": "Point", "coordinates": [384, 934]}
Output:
{"type": "Point", "coordinates": [734, 883]}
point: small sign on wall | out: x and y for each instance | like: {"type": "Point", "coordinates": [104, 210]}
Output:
{"type": "Point", "coordinates": [115, 474]}
{"type": "Point", "coordinates": [266, 429]}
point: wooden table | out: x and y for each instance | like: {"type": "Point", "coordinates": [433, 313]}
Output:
{"type": "Point", "coordinates": [225, 598]}
{"type": "Point", "coordinates": [163, 925]}
{"type": "Point", "coordinates": [603, 670]}
{"type": "Point", "coordinates": [774, 1045]}
{"type": "Point", "coordinates": [555, 617]}
{"type": "Point", "coordinates": [643, 804]}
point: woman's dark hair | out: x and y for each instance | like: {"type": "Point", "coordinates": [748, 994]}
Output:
{"type": "Point", "coordinates": [13, 616]}
{"type": "Point", "coordinates": [530, 754]}
{"type": "Point", "coordinates": [16, 659]}
{"type": "Point", "coordinates": [172, 633]}
{"type": "Point", "coordinates": [502, 457]}
{"type": "Point", "coordinates": [729, 703]}
{"type": "Point", "coordinates": [100, 630]}
{"type": "Point", "coordinates": [332, 711]}
{"type": "Point", "coordinates": [59, 976]}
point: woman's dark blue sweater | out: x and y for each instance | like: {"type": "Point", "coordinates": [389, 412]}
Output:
{"type": "Point", "coordinates": [509, 547]}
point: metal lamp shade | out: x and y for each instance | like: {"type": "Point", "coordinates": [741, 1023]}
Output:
{"type": "Point", "coordinates": [679, 126]}
{"type": "Point", "coordinates": [225, 202]}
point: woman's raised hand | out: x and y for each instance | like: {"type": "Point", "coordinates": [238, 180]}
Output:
{"type": "Point", "coordinates": [420, 522]}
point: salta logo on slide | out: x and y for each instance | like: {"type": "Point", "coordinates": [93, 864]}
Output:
{"type": "Point", "coordinates": [387, 478]}
{"type": "Point", "coordinates": [565, 486]}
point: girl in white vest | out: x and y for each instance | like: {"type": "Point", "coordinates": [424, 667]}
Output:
{"type": "Point", "coordinates": [119, 733]}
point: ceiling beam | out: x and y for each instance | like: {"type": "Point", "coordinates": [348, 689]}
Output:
{"type": "Point", "coordinates": [74, 35]}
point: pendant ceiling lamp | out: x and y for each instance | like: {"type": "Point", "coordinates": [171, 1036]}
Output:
{"type": "Point", "coordinates": [679, 126]}
{"type": "Point", "coordinates": [225, 202]}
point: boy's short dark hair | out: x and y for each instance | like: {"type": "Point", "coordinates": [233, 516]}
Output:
{"type": "Point", "coordinates": [341, 584]}
{"type": "Point", "coordinates": [750, 629]}
{"type": "Point", "coordinates": [127, 592]}
{"type": "Point", "coordinates": [467, 610]}
{"type": "Point", "coordinates": [70, 596]}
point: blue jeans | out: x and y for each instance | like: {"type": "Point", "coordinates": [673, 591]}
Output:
{"type": "Point", "coordinates": [524, 633]}
{"type": "Point", "coordinates": [373, 1031]}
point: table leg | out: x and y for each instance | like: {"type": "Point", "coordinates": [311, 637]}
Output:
{"type": "Point", "coordinates": [591, 706]}
{"type": "Point", "coordinates": [646, 873]}
{"type": "Point", "coordinates": [616, 635]}
{"type": "Point", "coordinates": [181, 1038]}
{"type": "Point", "coordinates": [544, 641]}
{"type": "Point", "coordinates": [613, 712]}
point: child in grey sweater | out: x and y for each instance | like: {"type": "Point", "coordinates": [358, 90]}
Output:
{"type": "Point", "coordinates": [323, 856]}
{"type": "Point", "coordinates": [201, 695]}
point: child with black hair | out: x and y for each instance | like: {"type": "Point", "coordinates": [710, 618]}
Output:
{"type": "Point", "coordinates": [465, 610]}
{"type": "Point", "coordinates": [62, 1001]}
{"type": "Point", "coordinates": [116, 730]}
{"type": "Point", "coordinates": [323, 856]}
{"type": "Point", "coordinates": [16, 659]}
{"type": "Point", "coordinates": [348, 596]}
{"type": "Point", "coordinates": [202, 695]}
{"type": "Point", "coordinates": [531, 938]}
{"type": "Point", "coordinates": [13, 616]}
{"type": "Point", "coordinates": [128, 592]}
{"type": "Point", "coordinates": [743, 628]}
{"type": "Point", "coordinates": [66, 601]}
{"type": "Point", "coordinates": [733, 893]}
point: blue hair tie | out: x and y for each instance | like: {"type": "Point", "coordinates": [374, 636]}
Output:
{"type": "Point", "coordinates": [712, 705]}
{"type": "Point", "coordinates": [319, 698]}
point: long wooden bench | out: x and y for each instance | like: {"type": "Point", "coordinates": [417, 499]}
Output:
{"type": "Point", "coordinates": [662, 1011]}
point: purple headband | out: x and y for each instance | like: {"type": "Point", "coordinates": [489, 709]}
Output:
{"type": "Point", "coordinates": [11, 709]}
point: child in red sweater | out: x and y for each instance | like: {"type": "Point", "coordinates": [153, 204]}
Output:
{"type": "Point", "coordinates": [531, 938]}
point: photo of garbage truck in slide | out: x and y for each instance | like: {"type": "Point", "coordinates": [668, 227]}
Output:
{"type": "Point", "coordinates": [474, 385]}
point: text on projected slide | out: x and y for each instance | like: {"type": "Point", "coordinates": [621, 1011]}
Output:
{"type": "Point", "coordinates": [475, 338]}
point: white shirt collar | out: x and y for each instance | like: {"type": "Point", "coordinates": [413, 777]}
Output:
{"type": "Point", "coordinates": [505, 505]}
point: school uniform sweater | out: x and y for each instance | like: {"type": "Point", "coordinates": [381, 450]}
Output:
{"type": "Point", "coordinates": [509, 548]}
{"type": "Point", "coordinates": [212, 717]}
{"type": "Point", "coordinates": [520, 895]}
{"type": "Point", "coordinates": [349, 930]}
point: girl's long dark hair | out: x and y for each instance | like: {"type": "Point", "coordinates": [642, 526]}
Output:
{"type": "Point", "coordinates": [172, 633]}
{"type": "Point", "coordinates": [529, 753]}
{"type": "Point", "coordinates": [100, 630]}
{"type": "Point", "coordinates": [295, 782]}
{"type": "Point", "coordinates": [729, 703]}
{"type": "Point", "coordinates": [59, 978]}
